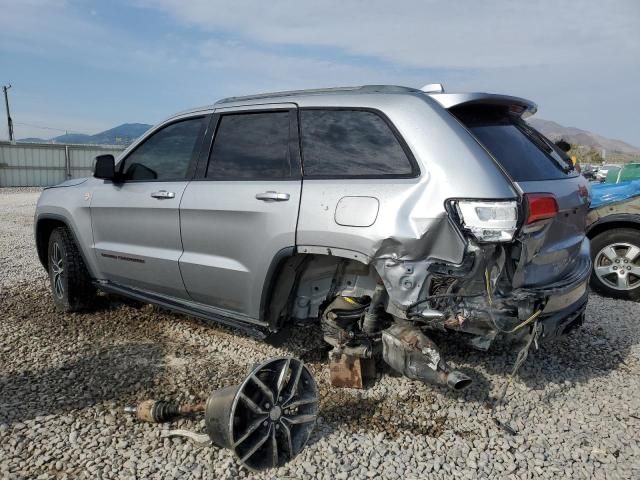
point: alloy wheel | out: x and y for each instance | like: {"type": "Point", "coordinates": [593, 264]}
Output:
{"type": "Point", "coordinates": [269, 416]}
{"type": "Point", "coordinates": [615, 266]}
{"type": "Point", "coordinates": [57, 269]}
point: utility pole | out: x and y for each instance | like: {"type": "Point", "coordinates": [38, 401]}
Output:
{"type": "Point", "coordinates": [9, 121]}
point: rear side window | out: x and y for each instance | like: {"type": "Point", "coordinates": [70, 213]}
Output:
{"type": "Point", "coordinates": [350, 143]}
{"type": "Point", "coordinates": [167, 153]}
{"type": "Point", "coordinates": [251, 145]}
{"type": "Point", "coordinates": [523, 152]}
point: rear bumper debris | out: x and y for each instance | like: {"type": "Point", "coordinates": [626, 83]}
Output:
{"type": "Point", "coordinates": [564, 321]}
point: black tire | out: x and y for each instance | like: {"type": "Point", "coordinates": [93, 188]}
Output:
{"type": "Point", "coordinates": [71, 285]}
{"type": "Point", "coordinates": [609, 238]}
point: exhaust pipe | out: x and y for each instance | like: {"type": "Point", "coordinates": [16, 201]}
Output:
{"type": "Point", "coordinates": [409, 351]}
{"type": "Point", "coordinates": [457, 380]}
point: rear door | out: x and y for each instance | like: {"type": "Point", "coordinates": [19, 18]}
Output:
{"type": "Point", "coordinates": [240, 212]}
{"type": "Point", "coordinates": [536, 165]}
{"type": "Point", "coordinates": [136, 222]}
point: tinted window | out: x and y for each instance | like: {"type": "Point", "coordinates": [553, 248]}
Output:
{"type": "Point", "coordinates": [251, 145]}
{"type": "Point", "coordinates": [167, 153]}
{"type": "Point", "coordinates": [343, 143]}
{"type": "Point", "coordinates": [522, 151]}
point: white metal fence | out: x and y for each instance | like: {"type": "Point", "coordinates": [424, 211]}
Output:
{"type": "Point", "coordinates": [44, 164]}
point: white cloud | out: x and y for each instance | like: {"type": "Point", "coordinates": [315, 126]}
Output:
{"type": "Point", "coordinates": [577, 59]}
{"type": "Point", "coordinates": [431, 33]}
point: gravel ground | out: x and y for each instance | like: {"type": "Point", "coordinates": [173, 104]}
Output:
{"type": "Point", "coordinates": [65, 379]}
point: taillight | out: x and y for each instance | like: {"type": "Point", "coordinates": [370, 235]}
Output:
{"type": "Point", "coordinates": [540, 206]}
{"type": "Point", "coordinates": [488, 221]}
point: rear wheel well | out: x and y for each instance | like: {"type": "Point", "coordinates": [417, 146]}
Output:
{"type": "Point", "coordinates": [44, 227]}
{"type": "Point", "coordinates": [605, 226]}
{"type": "Point", "coordinates": [320, 275]}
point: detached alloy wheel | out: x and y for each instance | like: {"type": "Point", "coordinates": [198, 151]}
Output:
{"type": "Point", "coordinates": [70, 281]}
{"type": "Point", "coordinates": [616, 263]}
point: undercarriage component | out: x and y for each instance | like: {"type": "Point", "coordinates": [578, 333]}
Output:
{"type": "Point", "coordinates": [199, 438]}
{"type": "Point", "coordinates": [159, 411]}
{"type": "Point", "coordinates": [371, 322]}
{"type": "Point", "coordinates": [267, 419]}
{"type": "Point", "coordinates": [407, 350]}
{"type": "Point", "coordinates": [349, 371]}
{"type": "Point", "coordinates": [342, 326]}
{"type": "Point", "coordinates": [352, 326]}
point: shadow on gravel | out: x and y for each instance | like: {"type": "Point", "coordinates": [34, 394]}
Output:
{"type": "Point", "coordinates": [105, 375]}
{"type": "Point", "coordinates": [304, 342]}
{"type": "Point", "coordinates": [378, 416]}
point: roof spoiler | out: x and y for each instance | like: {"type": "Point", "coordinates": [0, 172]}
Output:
{"type": "Point", "coordinates": [519, 106]}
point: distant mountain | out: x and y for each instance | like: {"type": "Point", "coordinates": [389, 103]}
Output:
{"type": "Point", "coordinates": [127, 132]}
{"type": "Point", "coordinates": [121, 135]}
{"type": "Point", "coordinates": [576, 136]}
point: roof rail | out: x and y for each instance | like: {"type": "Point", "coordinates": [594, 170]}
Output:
{"type": "Point", "coordinates": [320, 91]}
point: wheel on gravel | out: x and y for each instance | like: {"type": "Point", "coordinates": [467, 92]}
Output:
{"type": "Point", "coordinates": [70, 281]}
{"type": "Point", "coordinates": [616, 263]}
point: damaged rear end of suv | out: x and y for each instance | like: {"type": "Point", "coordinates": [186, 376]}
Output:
{"type": "Point", "coordinates": [488, 245]}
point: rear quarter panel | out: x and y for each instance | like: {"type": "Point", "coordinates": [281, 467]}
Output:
{"type": "Point", "coordinates": [452, 165]}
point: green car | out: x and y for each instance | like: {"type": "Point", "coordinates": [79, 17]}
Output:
{"type": "Point", "coordinates": [624, 173]}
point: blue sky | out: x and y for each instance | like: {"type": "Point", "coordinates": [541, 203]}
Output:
{"type": "Point", "coordinates": [85, 66]}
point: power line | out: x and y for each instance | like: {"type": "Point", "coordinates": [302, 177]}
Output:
{"type": "Point", "coordinates": [48, 128]}
{"type": "Point", "coordinates": [10, 122]}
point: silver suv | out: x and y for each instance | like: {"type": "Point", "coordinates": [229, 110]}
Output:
{"type": "Point", "coordinates": [381, 212]}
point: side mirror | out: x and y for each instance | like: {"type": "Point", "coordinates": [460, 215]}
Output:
{"type": "Point", "coordinates": [105, 167]}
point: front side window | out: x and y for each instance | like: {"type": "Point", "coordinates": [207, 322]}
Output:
{"type": "Point", "coordinates": [167, 153]}
{"type": "Point", "coordinates": [251, 146]}
{"type": "Point", "coordinates": [350, 143]}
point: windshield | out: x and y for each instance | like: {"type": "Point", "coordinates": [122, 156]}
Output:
{"type": "Point", "coordinates": [523, 152]}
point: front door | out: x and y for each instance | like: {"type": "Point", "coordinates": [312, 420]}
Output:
{"type": "Point", "coordinates": [136, 221]}
{"type": "Point", "coordinates": [241, 209]}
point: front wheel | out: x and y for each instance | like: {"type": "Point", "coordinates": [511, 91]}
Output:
{"type": "Point", "coordinates": [616, 263]}
{"type": "Point", "coordinates": [70, 281]}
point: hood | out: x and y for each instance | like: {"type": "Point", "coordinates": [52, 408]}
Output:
{"type": "Point", "coordinates": [72, 182]}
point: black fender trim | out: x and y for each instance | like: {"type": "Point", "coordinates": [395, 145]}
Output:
{"type": "Point", "coordinates": [268, 286]}
{"type": "Point", "coordinates": [609, 220]}
{"type": "Point", "coordinates": [58, 218]}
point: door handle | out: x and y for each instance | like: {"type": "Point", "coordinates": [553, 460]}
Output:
{"type": "Point", "coordinates": [163, 195]}
{"type": "Point", "coordinates": [272, 196]}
